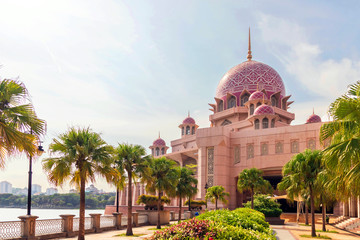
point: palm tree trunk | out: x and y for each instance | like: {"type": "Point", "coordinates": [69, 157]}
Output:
{"type": "Point", "coordinates": [158, 208]}
{"type": "Point", "coordinates": [81, 234]}
{"type": "Point", "coordinates": [306, 213]}
{"type": "Point", "coordinates": [252, 198]}
{"type": "Point", "coordinates": [312, 205]}
{"type": "Point", "coordinates": [180, 203]}
{"type": "Point", "coordinates": [129, 231]}
{"type": "Point", "coordinates": [324, 217]}
{"type": "Point", "coordinates": [215, 203]}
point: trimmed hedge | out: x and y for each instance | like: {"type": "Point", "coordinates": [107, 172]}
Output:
{"type": "Point", "coordinates": [266, 205]}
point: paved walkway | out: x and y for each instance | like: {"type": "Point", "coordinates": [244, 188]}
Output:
{"type": "Point", "coordinates": [289, 231]}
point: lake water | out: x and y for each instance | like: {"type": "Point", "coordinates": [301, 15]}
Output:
{"type": "Point", "coordinates": [12, 214]}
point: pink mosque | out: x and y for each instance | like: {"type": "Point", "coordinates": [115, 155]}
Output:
{"type": "Point", "coordinates": [250, 126]}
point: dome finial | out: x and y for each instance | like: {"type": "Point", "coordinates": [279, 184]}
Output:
{"type": "Point", "coordinates": [159, 134]}
{"type": "Point", "coordinates": [188, 113]}
{"type": "Point", "coordinates": [313, 111]}
{"type": "Point", "coordinates": [249, 56]}
{"type": "Point", "coordinates": [257, 87]}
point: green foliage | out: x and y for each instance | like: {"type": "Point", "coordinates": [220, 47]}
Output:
{"type": "Point", "coordinates": [240, 217]}
{"type": "Point", "coordinates": [58, 201]}
{"type": "Point", "coordinates": [186, 183]}
{"type": "Point", "coordinates": [195, 202]}
{"type": "Point", "coordinates": [151, 200]}
{"type": "Point", "coordinates": [263, 203]}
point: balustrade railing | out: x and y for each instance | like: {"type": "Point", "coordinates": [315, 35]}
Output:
{"type": "Point", "coordinates": [11, 229]}
{"type": "Point", "coordinates": [29, 227]}
{"type": "Point", "coordinates": [107, 221]}
{"type": "Point", "coordinates": [49, 226]}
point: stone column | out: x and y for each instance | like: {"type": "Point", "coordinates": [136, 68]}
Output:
{"type": "Point", "coordinates": [117, 219]}
{"type": "Point", "coordinates": [28, 227]}
{"type": "Point", "coordinates": [358, 206]}
{"type": "Point", "coordinates": [68, 224]}
{"type": "Point", "coordinates": [95, 218]}
{"type": "Point", "coordinates": [353, 206]}
{"type": "Point", "coordinates": [135, 216]}
{"type": "Point", "coordinates": [172, 216]}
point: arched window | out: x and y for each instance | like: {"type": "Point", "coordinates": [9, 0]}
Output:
{"type": "Point", "coordinates": [244, 99]}
{"type": "Point", "coordinates": [274, 101]}
{"type": "Point", "coordinates": [187, 130]}
{"type": "Point", "coordinates": [250, 151]}
{"type": "Point", "coordinates": [265, 123]}
{"type": "Point", "coordinates": [251, 109]}
{"type": "Point", "coordinates": [157, 151]}
{"type": "Point", "coordinates": [257, 123]}
{"type": "Point", "coordinates": [221, 106]}
{"type": "Point", "coordinates": [295, 146]}
{"type": "Point", "coordinates": [193, 130]}
{"type": "Point", "coordinates": [231, 102]}
{"type": "Point", "coordinates": [272, 123]}
{"type": "Point", "coordinates": [182, 131]}
{"type": "Point", "coordinates": [162, 151]}
{"type": "Point", "coordinates": [152, 151]}
{"type": "Point", "coordinates": [279, 147]}
{"type": "Point", "coordinates": [264, 149]}
{"type": "Point", "coordinates": [258, 104]}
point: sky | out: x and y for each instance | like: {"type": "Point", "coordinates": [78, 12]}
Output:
{"type": "Point", "coordinates": [131, 69]}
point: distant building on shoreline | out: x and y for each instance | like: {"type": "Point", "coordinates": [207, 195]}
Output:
{"type": "Point", "coordinates": [35, 189]}
{"type": "Point", "coordinates": [5, 187]}
{"type": "Point", "coordinates": [51, 191]}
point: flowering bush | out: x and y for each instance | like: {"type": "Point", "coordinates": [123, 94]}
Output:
{"type": "Point", "coordinates": [266, 205]}
{"type": "Point", "coordinates": [192, 229]}
{"type": "Point", "coordinates": [240, 224]}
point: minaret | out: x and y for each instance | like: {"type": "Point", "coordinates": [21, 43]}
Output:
{"type": "Point", "coordinates": [249, 56]}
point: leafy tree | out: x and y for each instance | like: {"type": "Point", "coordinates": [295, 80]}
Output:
{"type": "Point", "coordinates": [185, 186]}
{"type": "Point", "coordinates": [216, 193]}
{"type": "Point", "coordinates": [161, 178]}
{"type": "Point", "coordinates": [19, 125]}
{"type": "Point", "coordinates": [252, 180]}
{"type": "Point", "coordinates": [80, 155]}
{"type": "Point", "coordinates": [133, 160]}
{"type": "Point", "coordinates": [304, 168]}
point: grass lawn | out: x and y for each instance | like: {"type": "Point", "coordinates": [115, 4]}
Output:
{"type": "Point", "coordinates": [318, 236]}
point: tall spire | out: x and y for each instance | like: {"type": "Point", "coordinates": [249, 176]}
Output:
{"type": "Point", "coordinates": [249, 56]}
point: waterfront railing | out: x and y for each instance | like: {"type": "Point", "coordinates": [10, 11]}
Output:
{"type": "Point", "coordinates": [67, 226]}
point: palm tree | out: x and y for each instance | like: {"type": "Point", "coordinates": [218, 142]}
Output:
{"type": "Point", "coordinates": [19, 125]}
{"type": "Point", "coordinates": [304, 168]}
{"type": "Point", "coordinates": [80, 155]}
{"type": "Point", "coordinates": [252, 180]}
{"type": "Point", "coordinates": [215, 194]}
{"type": "Point", "coordinates": [342, 155]}
{"type": "Point", "coordinates": [161, 178]}
{"type": "Point", "coordinates": [185, 186]}
{"type": "Point", "coordinates": [133, 160]}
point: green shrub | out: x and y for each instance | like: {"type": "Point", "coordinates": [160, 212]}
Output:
{"type": "Point", "coordinates": [266, 205]}
{"type": "Point", "coordinates": [195, 202]}
{"type": "Point", "coordinates": [241, 217]}
{"type": "Point", "coordinates": [151, 200]}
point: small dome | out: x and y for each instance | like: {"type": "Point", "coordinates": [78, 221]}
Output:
{"type": "Point", "coordinates": [159, 142]}
{"type": "Point", "coordinates": [189, 120]}
{"type": "Point", "coordinates": [313, 119]}
{"type": "Point", "coordinates": [263, 110]}
{"type": "Point", "coordinates": [257, 96]}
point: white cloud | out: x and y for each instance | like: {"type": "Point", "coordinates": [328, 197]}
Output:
{"type": "Point", "coordinates": [290, 42]}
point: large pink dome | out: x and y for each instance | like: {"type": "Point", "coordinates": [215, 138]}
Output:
{"type": "Point", "coordinates": [250, 75]}
{"type": "Point", "coordinates": [159, 142]}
